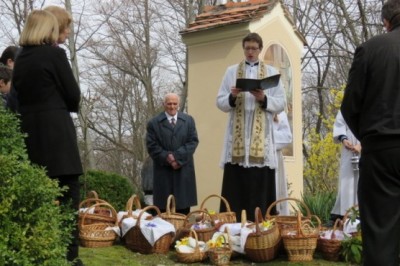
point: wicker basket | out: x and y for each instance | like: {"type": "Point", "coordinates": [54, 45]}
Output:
{"type": "Point", "coordinates": [133, 203]}
{"type": "Point", "coordinates": [203, 234]}
{"type": "Point", "coordinates": [287, 221]}
{"type": "Point", "coordinates": [99, 215]}
{"type": "Point", "coordinates": [262, 246]}
{"type": "Point", "coordinates": [196, 256]}
{"type": "Point", "coordinates": [220, 255]}
{"type": "Point", "coordinates": [330, 248]}
{"type": "Point", "coordinates": [97, 235]}
{"type": "Point", "coordinates": [300, 242]}
{"type": "Point", "coordinates": [136, 241]}
{"type": "Point", "coordinates": [176, 219]}
{"type": "Point", "coordinates": [223, 217]}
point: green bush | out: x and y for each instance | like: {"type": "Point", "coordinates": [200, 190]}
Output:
{"type": "Point", "coordinates": [32, 227]}
{"type": "Point", "coordinates": [352, 246]}
{"type": "Point", "coordinates": [352, 249]}
{"type": "Point", "coordinates": [113, 188]}
{"type": "Point", "coordinates": [11, 137]}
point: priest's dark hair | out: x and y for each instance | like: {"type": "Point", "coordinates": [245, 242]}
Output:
{"type": "Point", "coordinates": [253, 37]}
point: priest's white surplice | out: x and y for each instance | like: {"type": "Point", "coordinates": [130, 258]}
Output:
{"type": "Point", "coordinates": [275, 104]}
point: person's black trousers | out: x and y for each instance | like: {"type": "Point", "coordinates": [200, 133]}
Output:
{"type": "Point", "coordinates": [379, 204]}
{"type": "Point", "coordinates": [248, 188]}
{"type": "Point", "coordinates": [71, 196]}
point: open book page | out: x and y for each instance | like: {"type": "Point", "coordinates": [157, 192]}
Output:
{"type": "Point", "coordinates": [252, 84]}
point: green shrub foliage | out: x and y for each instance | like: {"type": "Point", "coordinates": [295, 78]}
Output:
{"type": "Point", "coordinates": [11, 137]}
{"type": "Point", "coordinates": [113, 188]}
{"type": "Point", "coordinates": [32, 227]}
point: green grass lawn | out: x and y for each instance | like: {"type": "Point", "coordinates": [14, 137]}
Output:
{"type": "Point", "coordinates": [118, 255]}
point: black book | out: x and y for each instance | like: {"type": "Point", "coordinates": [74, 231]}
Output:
{"type": "Point", "coordinates": [252, 84]}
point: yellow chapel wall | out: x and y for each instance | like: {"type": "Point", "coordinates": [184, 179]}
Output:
{"type": "Point", "coordinates": [210, 53]}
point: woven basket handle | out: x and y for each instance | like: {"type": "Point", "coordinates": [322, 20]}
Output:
{"type": "Point", "coordinates": [226, 241]}
{"type": "Point", "coordinates": [193, 234]}
{"type": "Point", "coordinates": [243, 218]}
{"type": "Point", "coordinates": [133, 201]}
{"type": "Point", "coordinates": [171, 205]}
{"type": "Point", "coordinates": [104, 204]}
{"type": "Point", "coordinates": [268, 215]}
{"type": "Point", "coordinates": [89, 202]}
{"type": "Point", "coordinates": [258, 219]}
{"type": "Point", "coordinates": [190, 214]}
{"type": "Point", "coordinates": [338, 224]}
{"type": "Point", "coordinates": [227, 231]}
{"type": "Point", "coordinates": [146, 209]}
{"type": "Point", "coordinates": [299, 231]}
{"type": "Point", "coordinates": [307, 223]}
{"type": "Point", "coordinates": [228, 207]}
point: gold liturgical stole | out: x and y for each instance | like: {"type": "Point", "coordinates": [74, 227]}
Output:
{"type": "Point", "coordinates": [257, 141]}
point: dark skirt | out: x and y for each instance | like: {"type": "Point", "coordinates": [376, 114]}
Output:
{"type": "Point", "coordinates": [248, 188]}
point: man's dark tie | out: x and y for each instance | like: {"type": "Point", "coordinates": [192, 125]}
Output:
{"type": "Point", "coordinates": [173, 122]}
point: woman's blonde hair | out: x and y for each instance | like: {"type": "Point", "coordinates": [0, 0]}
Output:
{"type": "Point", "coordinates": [41, 27]}
{"type": "Point", "coordinates": [63, 17]}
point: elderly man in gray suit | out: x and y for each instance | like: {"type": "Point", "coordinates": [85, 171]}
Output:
{"type": "Point", "coordinates": [171, 141]}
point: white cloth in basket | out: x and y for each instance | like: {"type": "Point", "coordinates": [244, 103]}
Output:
{"type": "Point", "coordinates": [350, 227]}
{"type": "Point", "coordinates": [89, 210]}
{"type": "Point", "coordinates": [238, 235]}
{"type": "Point", "coordinates": [128, 223]}
{"type": "Point", "coordinates": [191, 245]}
{"type": "Point", "coordinates": [153, 229]}
{"type": "Point", "coordinates": [339, 235]}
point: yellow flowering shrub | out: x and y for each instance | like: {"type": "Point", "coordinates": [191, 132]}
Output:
{"type": "Point", "coordinates": [322, 155]}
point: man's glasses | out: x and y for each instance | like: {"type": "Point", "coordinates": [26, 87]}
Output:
{"type": "Point", "coordinates": [253, 49]}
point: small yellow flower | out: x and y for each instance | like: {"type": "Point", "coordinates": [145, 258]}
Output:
{"type": "Point", "coordinates": [216, 243]}
{"type": "Point", "coordinates": [183, 242]}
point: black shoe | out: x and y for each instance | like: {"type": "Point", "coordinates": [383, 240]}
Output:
{"type": "Point", "coordinates": [78, 262]}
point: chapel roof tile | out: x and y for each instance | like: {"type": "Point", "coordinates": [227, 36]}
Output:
{"type": "Point", "coordinates": [230, 13]}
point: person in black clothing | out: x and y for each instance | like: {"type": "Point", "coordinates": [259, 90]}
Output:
{"type": "Point", "coordinates": [9, 96]}
{"type": "Point", "coordinates": [371, 109]}
{"type": "Point", "coordinates": [171, 140]}
{"type": "Point", "coordinates": [7, 58]}
{"type": "Point", "coordinates": [5, 82]}
{"type": "Point", "coordinates": [47, 94]}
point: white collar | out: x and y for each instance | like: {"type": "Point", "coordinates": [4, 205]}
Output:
{"type": "Point", "coordinates": [252, 63]}
{"type": "Point", "coordinates": [169, 117]}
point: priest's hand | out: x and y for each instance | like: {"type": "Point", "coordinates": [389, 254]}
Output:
{"type": "Point", "coordinates": [259, 95]}
{"type": "Point", "coordinates": [235, 91]}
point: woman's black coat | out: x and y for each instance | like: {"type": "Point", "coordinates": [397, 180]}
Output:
{"type": "Point", "coordinates": [47, 93]}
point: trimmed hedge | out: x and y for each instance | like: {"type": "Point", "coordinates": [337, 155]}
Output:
{"type": "Point", "coordinates": [11, 137]}
{"type": "Point", "coordinates": [32, 227]}
{"type": "Point", "coordinates": [113, 188]}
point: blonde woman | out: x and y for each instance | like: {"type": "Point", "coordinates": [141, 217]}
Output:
{"type": "Point", "coordinates": [47, 93]}
{"type": "Point", "coordinates": [64, 19]}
